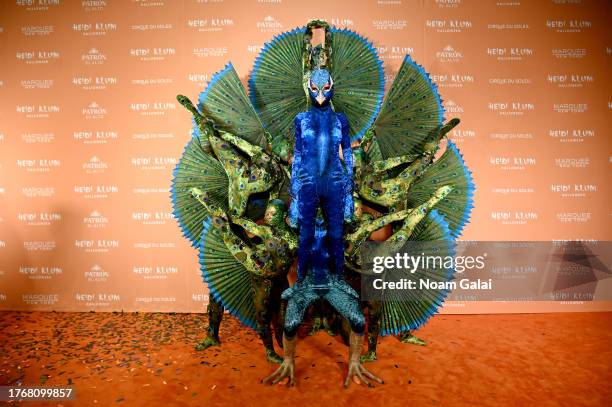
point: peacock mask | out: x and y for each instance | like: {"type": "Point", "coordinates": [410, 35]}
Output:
{"type": "Point", "coordinates": [320, 87]}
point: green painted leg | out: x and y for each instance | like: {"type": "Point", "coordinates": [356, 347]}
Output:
{"type": "Point", "coordinates": [261, 298]}
{"type": "Point", "coordinates": [316, 326]}
{"type": "Point", "coordinates": [280, 306]}
{"type": "Point", "coordinates": [373, 331]}
{"type": "Point", "coordinates": [408, 337]}
{"type": "Point", "coordinates": [273, 357]}
{"type": "Point", "coordinates": [319, 311]}
{"type": "Point", "coordinates": [215, 315]}
{"type": "Point", "coordinates": [329, 327]}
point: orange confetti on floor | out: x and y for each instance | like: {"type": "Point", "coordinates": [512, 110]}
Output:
{"type": "Point", "coordinates": [135, 359]}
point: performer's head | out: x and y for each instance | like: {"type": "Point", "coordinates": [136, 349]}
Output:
{"type": "Point", "coordinates": [275, 212]}
{"type": "Point", "coordinates": [320, 87]}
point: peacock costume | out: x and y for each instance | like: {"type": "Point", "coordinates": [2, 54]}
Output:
{"type": "Point", "coordinates": [261, 182]}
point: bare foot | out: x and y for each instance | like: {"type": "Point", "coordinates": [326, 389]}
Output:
{"type": "Point", "coordinates": [207, 343]}
{"type": "Point", "coordinates": [273, 357]}
{"type": "Point", "coordinates": [369, 356]}
{"type": "Point", "coordinates": [408, 337]}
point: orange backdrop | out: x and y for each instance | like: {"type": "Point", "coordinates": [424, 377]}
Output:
{"type": "Point", "coordinates": [90, 129]}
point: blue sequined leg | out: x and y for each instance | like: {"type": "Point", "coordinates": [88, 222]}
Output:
{"type": "Point", "coordinates": [348, 306]}
{"type": "Point", "coordinates": [307, 212]}
{"type": "Point", "coordinates": [333, 208]}
{"type": "Point", "coordinates": [297, 305]}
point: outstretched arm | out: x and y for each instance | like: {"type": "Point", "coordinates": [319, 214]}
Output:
{"type": "Point", "coordinates": [368, 227]}
{"type": "Point", "coordinates": [249, 149]}
{"type": "Point", "coordinates": [295, 168]}
{"type": "Point", "coordinates": [347, 155]}
{"type": "Point", "coordinates": [389, 163]}
{"type": "Point", "coordinates": [262, 231]}
{"type": "Point", "coordinates": [205, 126]}
{"type": "Point", "coordinates": [236, 246]}
{"type": "Point", "coordinates": [265, 232]}
{"type": "Point", "coordinates": [416, 215]}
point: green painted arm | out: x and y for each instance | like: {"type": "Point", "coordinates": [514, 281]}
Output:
{"type": "Point", "coordinates": [389, 163]}
{"type": "Point", "coordinates": [369, 226]}
{"type": "Point", "coordinates": [249, 149]}
{"type": "Point", "coordinates": [205, 126]}
{"type": "Point", "coordinates": [419, 213]}
{"type": "Point", "coordinates": [252, 258]}
{"type": "Point", "coordinates": [262, 231]}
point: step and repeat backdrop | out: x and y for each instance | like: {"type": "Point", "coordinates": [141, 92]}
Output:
{"type": "Point", "coordinates": [90, 129]}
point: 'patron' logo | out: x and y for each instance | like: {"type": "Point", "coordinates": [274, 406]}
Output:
{"type": "Point", "coordinates": [95, 220]}
{"type": "Point", "coordinates": [94, 166]}
{"type": "Point", "coordinates": [93, 57]}
{"type": "Point", "coordinates": [270, 25]}
{"type": "Point", "coordinates": [94, 111]}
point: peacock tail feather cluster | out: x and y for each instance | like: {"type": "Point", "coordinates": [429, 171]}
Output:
{"type": "Point", "coordinates": [198, 169]}
{"type": "Point", "coordinates": [415, 307]}
{"type": "Point", "coordinates": [359, 80]}
{"type": "Point", "coordinates": [412, 110]}
{"type": "Point", "coordinates": [229, 282]}
{"type": "Point", "coordinates": [225, 101]}
{"type": "Point", "coordinates": [402, 123]}
{"type": "Point", "coordinates": [449, 169]}
{"type": "Point", "coordinates": [275, 85]}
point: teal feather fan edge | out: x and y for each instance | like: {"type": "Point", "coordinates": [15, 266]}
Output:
{"type": "Point", "coordinates": [400, 316]}
{"type": "Point", "coordinates": [363, 70]}
{"type": "Point", "coordinates": [275, 83]}
{"type": "Point", "coordinates": [195, 169]}
{"type": "Point", "coordinates": [226, 101]}
{"type": "Point", "coordinates": [411, 110]}
{"type": "Point", "coordinates": [223, 273]}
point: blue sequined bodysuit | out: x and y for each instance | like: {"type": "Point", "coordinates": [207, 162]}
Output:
{"type": "Point", "coordinates": [320, 180]}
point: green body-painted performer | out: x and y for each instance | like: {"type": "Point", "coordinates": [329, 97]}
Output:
{"type": "Point", "coordinates": [268, 262]}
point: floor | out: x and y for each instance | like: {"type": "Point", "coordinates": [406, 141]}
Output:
{"type": "Point", "coordinates": [132, 359]}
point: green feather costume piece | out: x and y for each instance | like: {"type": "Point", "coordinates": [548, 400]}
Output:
{"type": "Point", "coordinates": [198, 169]}
{"type": "Point", "coordinates": [225, 102]}
{"type": "Point", "coordinates": [412, 110]}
